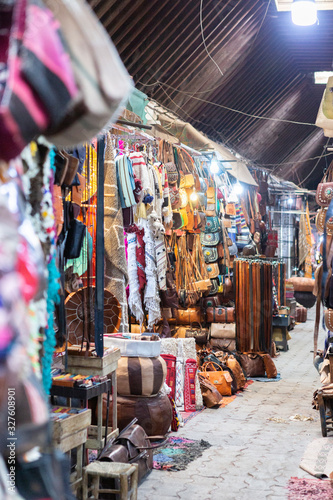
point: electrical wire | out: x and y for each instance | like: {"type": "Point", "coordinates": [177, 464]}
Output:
{"type": "Point", "coordinates": [322, 156]}
{"type": "Point", "coordinates": [293, 162]}
{"type": "Point", "coordinates": [204, 41]}
{"type": "Point", "coordinates": [258, 117]}
{"type": "Point", "coordinates": [262, 22]}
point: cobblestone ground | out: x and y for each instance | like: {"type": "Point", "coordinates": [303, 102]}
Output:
{"type": "Point", "coordinates": [251, 457]}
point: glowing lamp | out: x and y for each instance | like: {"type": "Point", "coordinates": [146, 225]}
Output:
{"type": "Point", "coordinates": [304, 12]}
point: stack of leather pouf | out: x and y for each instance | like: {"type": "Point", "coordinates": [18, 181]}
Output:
{"type": "Point", "coordinates": [139, 383]}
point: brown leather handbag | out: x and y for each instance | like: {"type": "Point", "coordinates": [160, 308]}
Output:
{"type": "Point", "coordinates": [220, 314]}
{"type": "Point", "coordinates": [270, 367]}
{"type": "Point", "coordinates": [188, 316]}
{"type": "Point", "coordinates": [252, 364]}
{"type": "Point", "coordinates": [210, 395]}
{"type": "Point", "coordinates": [324, 193]}
{"type": "Point", "coordinates": [236, 369]}
{"type": "Point", "coordinates": [223, 331]}
{"type": "Point", "coordinates": [218, 377]}
{"type": "Point", "coordinates": [131, 446]}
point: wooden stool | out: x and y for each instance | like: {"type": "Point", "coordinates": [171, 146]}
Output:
{"type": "Point", "coordinates": [125, 473]}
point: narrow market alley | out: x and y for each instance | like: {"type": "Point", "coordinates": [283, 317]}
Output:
{"type": "Point", "coordinates": [251, 457]}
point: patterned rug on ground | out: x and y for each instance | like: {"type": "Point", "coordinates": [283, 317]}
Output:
{"type": "Point", "coordinates": [311, 489]}
{"type": "Point", "coordinates": [318, 458]}
{"type": "Point", "coordinates": [178, 453]}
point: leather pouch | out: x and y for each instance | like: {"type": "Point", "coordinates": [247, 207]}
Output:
{"type": "Point", "coordinates": [209, 239]}
{"type": "Point", "coordinates": [213, 270]}
{"type": "Point", "coordinates": [270, 367]}
{"type": "Point", "coordinates": [324, 193]}
{"type": "Point", "coordinates": [210, 254]}
{"type": "Point", "coordinates": [212, 225]}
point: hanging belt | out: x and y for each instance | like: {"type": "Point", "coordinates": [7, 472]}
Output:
{"type": "Point", "coordinates": [251, 308]}
{"type": "Point", "coordinates": [99, 271]}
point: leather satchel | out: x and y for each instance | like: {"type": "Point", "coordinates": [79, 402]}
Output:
{"type": "Point", "coordinates": [213, 270]}
{"type": "Point", "coordinates": [221, 379]}
{"type": "Point", "coordinates": [210, 254]}
{"type": "Point", "coordinates": [270, 367]}
{"type": "Point", "coordinates": [252, 364]}
{"type": "Point", "coordinates": [220, 314]}
{"type": "Point", "coordinates": [188, 316]}
{"type": "Point", "coordinates": [131, 446]}
{"type": "Point", "coordinates": [210, 395]}
{"type": "Point", "coordinates": [222, 331]}
{"type": "Point", "coordinates": [209, 239]}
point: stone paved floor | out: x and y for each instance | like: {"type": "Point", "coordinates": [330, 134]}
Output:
{"type": "Point", "coordinates": [251, 457]}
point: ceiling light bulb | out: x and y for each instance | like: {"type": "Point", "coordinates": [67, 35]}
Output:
{"type": "Point", "coordinates": [238, 188]}
{"type": "Point", "coordinates": [290, 201]}
{"type": "Point", "coordinates": [214, 166]}
{"type": "Point", "coordinates": [304, 12]}
{"type": "Point", "coordinates": [194, 196]}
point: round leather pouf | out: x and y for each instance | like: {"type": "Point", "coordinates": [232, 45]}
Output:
{"type": "Point", "coordinates": [80, 314]}
{"type": "Point", "coordinates": [154, 414]}
{"type": "Point", "coordinates": [138, 376]}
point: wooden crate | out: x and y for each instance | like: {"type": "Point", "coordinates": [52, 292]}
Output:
{"type": "Point", "coordinates": [71, 429]}
{"type": "Point", "coordinates": [91, 365]}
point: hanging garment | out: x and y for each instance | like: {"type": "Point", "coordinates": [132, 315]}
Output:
{"type": "Point", "coordinates": [116, 272]}
{"type": "Point", "coordinates": [125, 181]}
{"type": "Point", "coordinates": [151, 294]}
{"type": "Point", "coordinates": [134, 298]}
{"type": "Point", "coordinates": [161, 261]}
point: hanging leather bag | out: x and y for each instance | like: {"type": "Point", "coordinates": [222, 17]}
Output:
{"type": "Point", "coordinates": [324, 192]}
{"type": "Point", "coordinates": [220, 314]}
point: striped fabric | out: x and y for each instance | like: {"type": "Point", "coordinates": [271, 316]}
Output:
{"type": "Point", "coordinates": [140, 376]}
{"type": "Point", "coordinates": [125, 180]}
{"type": "Point", "coordinates": [189, 385]}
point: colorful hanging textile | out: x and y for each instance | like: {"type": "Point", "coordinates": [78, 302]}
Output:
{"type": "Point", "coordinates": [134, 298]}
{"type": "Point", "coordinates": [189, 385]}
{"type": "Point", "coordinates": [151, 295]}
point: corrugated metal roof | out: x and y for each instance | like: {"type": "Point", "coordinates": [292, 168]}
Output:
{"type": "Point", "coordinates": [267, 66]}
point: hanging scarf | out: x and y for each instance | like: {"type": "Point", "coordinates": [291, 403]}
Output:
{"type": "Point", "coordinates": [151, 295]}
{"type": "Point", "coordinates": [125, 181]}
{"type": "Point", "coordinates": [134, 298]}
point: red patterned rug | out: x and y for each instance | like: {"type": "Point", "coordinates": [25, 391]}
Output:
{"type": "Point", "coordinates": [311, 489]}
